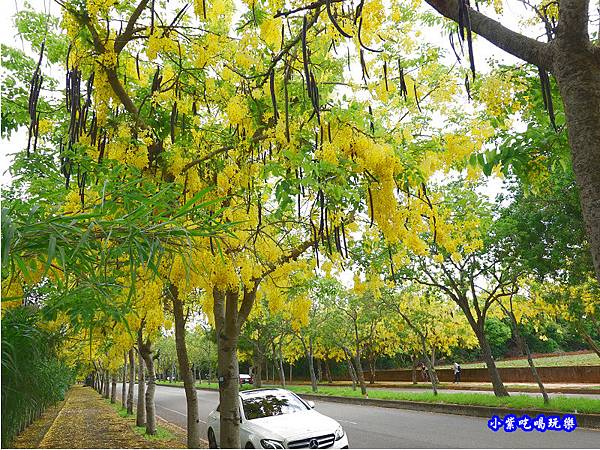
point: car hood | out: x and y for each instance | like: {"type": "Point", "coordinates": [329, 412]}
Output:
{"type": "Point", "coordinates": [293, 426]}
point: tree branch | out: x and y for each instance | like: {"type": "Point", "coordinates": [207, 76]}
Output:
{"type": "Point", "coordinates": [122, 40]}
{"type": "Point", "coordinates": [516, 44]}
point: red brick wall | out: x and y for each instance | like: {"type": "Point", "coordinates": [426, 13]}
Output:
{"type": "Point", "coordinates": [567, 374]}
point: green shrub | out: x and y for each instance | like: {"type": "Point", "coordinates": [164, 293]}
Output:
{"type": "Point", "coordinates": [33, 378]}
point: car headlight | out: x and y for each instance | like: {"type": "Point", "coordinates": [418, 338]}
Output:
{"type": "Point", "coordinates": [271, 443]}
{"type": "Point", "coordinates": [339, 433]}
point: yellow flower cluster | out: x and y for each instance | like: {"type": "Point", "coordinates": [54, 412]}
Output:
{"type": "Point", "coordinates": [159, 42]}
{"type": "Point", "coordinates": [237, 110]}
{"type": "Point", "coordinates": [270, 32]}
{"type": "Point", "coordinates": [101, 7]}
{"type": "Point", "coordinates": [497, 92]}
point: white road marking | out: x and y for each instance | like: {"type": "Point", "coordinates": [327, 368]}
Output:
{"type": "Point", "coordinates": [347, 421]}
{"type": "Point", "coordinates": [177, 412]}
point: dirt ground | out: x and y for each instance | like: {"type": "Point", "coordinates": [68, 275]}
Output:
{"type": "Point", "coordinates": [86, 420]}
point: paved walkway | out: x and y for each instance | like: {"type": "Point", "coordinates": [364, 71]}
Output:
{"type": "Point", "coordinates": [86, 420]}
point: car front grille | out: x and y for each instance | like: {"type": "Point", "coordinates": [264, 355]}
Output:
{"type": "Point", "coordinates": [325, 441]}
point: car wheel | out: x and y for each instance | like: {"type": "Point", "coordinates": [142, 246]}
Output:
{"type": "Point", "coordinates": [212, 442]}
{"type": "Point", "coordinates": [249, 445]}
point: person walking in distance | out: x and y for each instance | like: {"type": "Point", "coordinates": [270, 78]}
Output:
{"type": "Point", "coordinates": [456, 372]}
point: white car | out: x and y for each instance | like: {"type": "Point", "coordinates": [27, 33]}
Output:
{"type": "Point", "coordinates": [278, 418]}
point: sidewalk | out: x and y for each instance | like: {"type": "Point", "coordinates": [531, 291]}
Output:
{"type": "Point", "coordinates": [86, 420]}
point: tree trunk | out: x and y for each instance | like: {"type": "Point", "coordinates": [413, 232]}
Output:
{"type": "Point", "coordinates": [486, 353]}
{"type": "Point", "coordinates": [131, 382]}
{"type": "Point", "coordinates": [328, 372]}
{"type": "Point", "coordinates": [140, 419]}
{"type": "Point", "coordinates": [146, 352]}
{"type": "Point", "coordinates": [113, 388]}
{"type": "Point", "coordinates": [359, 373]}
{"type": "Point", "coordinates": [589, 340]}
{"type": "Point", "coordinates": [352, 374]}
{"type": "Point", "coordinates": [414, 369]}
{"type": "Point", "coordinates": [124, 383]}
{"type": "Point", "coordinates": [106, 385]}
{"type": "Point", "coordinates": [433, 356]}
{"type": "Point", "coordinates": [319, 370]}
{"type": "Point", "coordinates": [191, 397]}
{"type": "Point", "coordinates": [371, 369]}
{"type": "Point", "coordinates": [430, 368]}
{"type": "Point", "coordinates": [227, 328]}
{"type": "Point", "coordinates": [258, 363]}
{"type": "Point", "coordinates": [281, 372]}
{"type": "Point", "coordinates": [577, 73]}
{"type": "Point", "coordinates": [524, 347]}
{"type": "Point", "coordinates": [311, 369]}
{"type": "Point", "coordinates": [291, 368]}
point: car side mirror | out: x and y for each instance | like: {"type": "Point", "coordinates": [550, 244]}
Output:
{"type": "Point", "coordinates": [311, 403]}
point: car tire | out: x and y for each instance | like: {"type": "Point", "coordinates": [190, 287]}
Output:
{"type": "Point", "coordinates": [249, 445]}
{"type": "Point", "coordinates": [212, 441]}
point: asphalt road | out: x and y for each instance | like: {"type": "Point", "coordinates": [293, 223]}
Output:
{"type": "Point", "coordinates": [374, 427]}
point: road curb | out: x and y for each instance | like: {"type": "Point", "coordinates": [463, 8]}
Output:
{"type": "Point", "coordinates": [583, 420]}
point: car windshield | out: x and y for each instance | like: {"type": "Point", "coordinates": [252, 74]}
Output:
{"type": "Point", "coordinates": [271, 404]}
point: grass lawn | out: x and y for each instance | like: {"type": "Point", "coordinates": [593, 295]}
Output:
{"type": "Point", "coordinates": [561, 403]}
{"type": "Point", "coordinates": [558, 403]}
{"type": "Point", "coordinates": [162, 434]}
{"type": "Point", "coordinates": [585, 359]}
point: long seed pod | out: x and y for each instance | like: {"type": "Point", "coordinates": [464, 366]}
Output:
{"type": "Point", "coordinates": [344, 238]}
{"type": "Point", "coordinates": [156, 80]}
{"type": "Point", "coordinates": [403, 88]}
{"type": "Point", "coordinates": [273, 99]}
{"type": "Point", "coordinates": [314, 97]}
{"type": "Point", "coordinates": [468, 87]}
{"type": "Point", "coordinates": [372, 125]}
{"type": "Point", "coordinates": [547, 95]}
{"type": "Point", "coordinates": [322, 212]}
{"type": "Point", "coordinates": [315, 241]}
{"type": "Point", "coordinates": [137, 65]}
{"type": "Point", "coordinates": [385, 75]}
{"type": "Point", "coordinates": [360, 39]}
{"type": "Point", "coordinates": [469, 38]}
{"type": "Point", "coordinates": [334, 22]}
{"type": "Point", "coordinates": [391, 262]}
{"type": "Point", "coordinates": [464, 23]}
{"type": "Point", "coordinates": [451, 38]}
{"type": "Point", "coordinates": [417, 97]}
{"type": "Point", "coordinates": [327, 232]}
{"type": "Point", "coordinates": [359, 11]}
{"type": "Point", "coordinates": [348, 57]}
{"type": "Point", "coordinates": [34, 93]}
{"type": "Point", "coordinates": [173, 121]}
{"type": "Point", "coordinates": [363, 65]}
{"type": "Point", "coordinates": [259, 213]}
{"type": "Point", "coordinates": [305, 55]}
{"type": "Point", "coordinates": [329, 131]}
{"type": "Point", "coordinates": [461, 19]}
